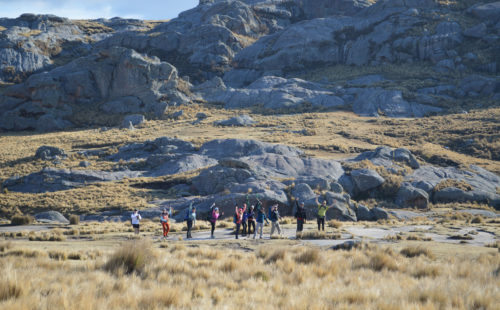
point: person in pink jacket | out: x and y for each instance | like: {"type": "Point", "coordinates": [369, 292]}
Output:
{"type": "Point", "coordinates": [238, 218]}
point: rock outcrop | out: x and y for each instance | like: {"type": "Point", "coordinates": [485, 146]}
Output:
{"type": "Point", "coordinates": [114, 81]}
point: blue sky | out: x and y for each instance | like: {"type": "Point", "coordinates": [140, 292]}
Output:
{"type": "Point", "coordinates": [90, 9]}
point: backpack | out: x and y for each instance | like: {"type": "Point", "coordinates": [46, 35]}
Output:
{"type": "Point", "coordinates": [187, 215]}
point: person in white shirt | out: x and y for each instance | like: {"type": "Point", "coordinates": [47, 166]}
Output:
{"type": "Point", "coordinates": [136, 218]}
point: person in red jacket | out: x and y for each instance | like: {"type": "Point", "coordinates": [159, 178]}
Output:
{"type": "Point", "coordinates": [238, 218]}
{"type": "Point", "coordinates": [165, 221]}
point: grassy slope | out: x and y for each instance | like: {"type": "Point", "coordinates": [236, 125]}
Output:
{"type": "Point", "coordinates": [275, 274]}
{"type": "Point", "coordinates": [335, 135]}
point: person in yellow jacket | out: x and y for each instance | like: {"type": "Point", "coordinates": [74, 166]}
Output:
{"type": "Point", "coordinates": [322, 208]}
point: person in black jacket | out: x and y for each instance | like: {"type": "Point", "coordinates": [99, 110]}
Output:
{"type": "Point", "coordinates": [301, 216]}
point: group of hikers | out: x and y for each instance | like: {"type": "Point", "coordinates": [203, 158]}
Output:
{"type": "Point", "coordinates": [248, 219]}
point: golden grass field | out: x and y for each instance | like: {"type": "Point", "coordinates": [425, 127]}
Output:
{"type": "Point", "coordinates": [333, 135]}
{"type": "Point", "coordinates": [111, 272]}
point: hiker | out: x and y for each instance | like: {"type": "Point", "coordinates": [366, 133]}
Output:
{"type": "Point", "coordinates": [165, 221]}
{"type": "Point", "coordinates": [322, 208]}
{"type": "Point", "coordinates": [214, 215]}
{"type": "Point", "coordinates": [275, 217]}
{"type": "Point", "coordinates": [136, 218]}
{"type": "Point", "coordinates": [238, 218]}
{"type": "Point", "coordinates": [244, 220]}
{"type": "Point", "coordinates": [191, 220]}
{"type": "Point", "coordinates": [260, 218]}
{"type": "Point", "coordinates": [251, 219]}
{"type": "Point", "coordinates": [301, 216]}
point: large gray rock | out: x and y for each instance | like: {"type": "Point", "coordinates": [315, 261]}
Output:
{"type": "Point", "coordinates": [32, 43]}
{"type": "Point", "coordinates": [312, 181]}
{"type": "Point", "coordinates": [52, 179]}
{"type": "Point", "coordinates": [364, 213]}
{"type": "Point", "coordinates": [488, 11]}
{"type": "Point", "coordinates": [374, 102]}
{"type": "Point", "coordinates": [340, 207]}
{"type": "Point", "coordinates": [484, 184]}
{"type": "Point", "coordinates": [409, 196]}
{"type": "Point", "coordinates": [239, 121]}
{"type": "Point", "coordinates": [303, 192]}
{"type": "Point", "coordinates": [111, 75]}
{"type": "Point", "coordinates": [379, 213]}
{"type": "Point", "coordinates": [477, 31]}
{"type": "Point", "coordinates": [366, 179]}
{"type": "Point", "coordinates": [51, 217]}
{"type": "Point", "coordinates": [217, 179]}
{"type": "Point", "coordinates": [222, 148]}
{"type": "Point", "coordinates": [453, 194]}
{"type": "Point", "coordinates": [134, 119]}
{"type": "Point", "coordinates": [271, 92]}
{"type": "Point", "coordinates": [159, 146]}
{"type": "Point", "coordinates": [49, 153]}
{"type": "Point", "coordinates": [388, 157]}
{"type": "Point", "coordinates": [160, 165]}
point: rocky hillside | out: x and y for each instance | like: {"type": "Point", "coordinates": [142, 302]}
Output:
{"type": "Point", "coordinates": [393, 58]}
{"type": "Point", "coordinates": [427, 64]}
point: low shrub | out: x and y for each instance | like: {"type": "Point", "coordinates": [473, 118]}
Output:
{"type": "Point", "coordinates": [276, 255]}
{"type": "Point", "coordinates": [58, 255]}
{"type": "Point", "coordinates": [416, 251]}
{"type": "Point", "coordinates": [21, 220]}
{"type": "Point", "coordinates": [335, 224]}
{"type": "Point", "coordinates": [310, 256]}
{"type": "Point", "coordinates": [5, 246]}
{"type": "Point", "coordinates": [308, 235]}
{"type": "Point", "coordinates": [74, 220]}
{"type": "Point", "coordinates": [131, 257]}
{"type": "Point", "coordinates": [9, 289]}
{"type": "Point", "coordinates": [477, 220]}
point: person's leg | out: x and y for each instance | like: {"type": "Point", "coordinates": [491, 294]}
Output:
{"type": "Point", "coordinates": [237, 229]}
{"type": "Point", "coordinates": [279, 227]}
{"type": "Point", "coordinates": [244, 228]}
{"type": "Point", "coordinates": [319, 224]}
{"type": "Point", "coordinates": [323, 224]}
{"type": "Point", "coordinates": [190, 225]}
{"type": "Point", "coordinates": [255, 231]}
{"type": "Point", "coordinates": [273, 227]}
{"type": "Point", "coordinates": [261, 229]}
{"type": "Point", "coordinates": [168, 229]}
{"type": "Point", "coordinates": [253, 225]}
{"type": "Point", "coordinates": [213, 228]}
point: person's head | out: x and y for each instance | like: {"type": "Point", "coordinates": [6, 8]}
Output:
{"type": "Point", "coordinates": [216, 209]}
{"type": "Point", "coordinates": [164, 211]}
{"type": "Point", "coordinates": [244, 205]}
{"type": "Point", "coordinates": [301, 204]}
{"type": "Point", "coordinates": [194, 209]}
{"type": "Point", "coordinates": [324, 202]}
{"type": "Point", "coordinates": [252, 207]}
{"type": "Point", "coordinates": [136, 211]}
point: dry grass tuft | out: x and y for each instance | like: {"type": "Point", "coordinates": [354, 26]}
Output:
{"type": "Point", "coordinates": [9, 289]}
{"type": "Point", "coordinates": [132, 257]}
{"type": "Point", "coordinates": [460, 184]}
{"type": "Point", "coordinates": [311, 235]}
{"type": "Point", "coordinates": [478, 219]}
{"type": "Point", "coordinates": [21, 220]}
{"type": "Point", "coordinates": [413, 251]}
{"type": "Point", "coordinates": [335, 224]}
{"type": "Point", "coordinates": [74, 220]}
{"type": "Point", "coordinates": [310, 256]}
{"type": "Point", "coordinates": [5, 245]}
{"type": "Point", "coordinates": [58, 255]}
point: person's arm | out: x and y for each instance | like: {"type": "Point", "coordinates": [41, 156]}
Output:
{"type": "Point", "coordinates": [317, 201]}
{"type": "Point", "coordinates": [170, 212]}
